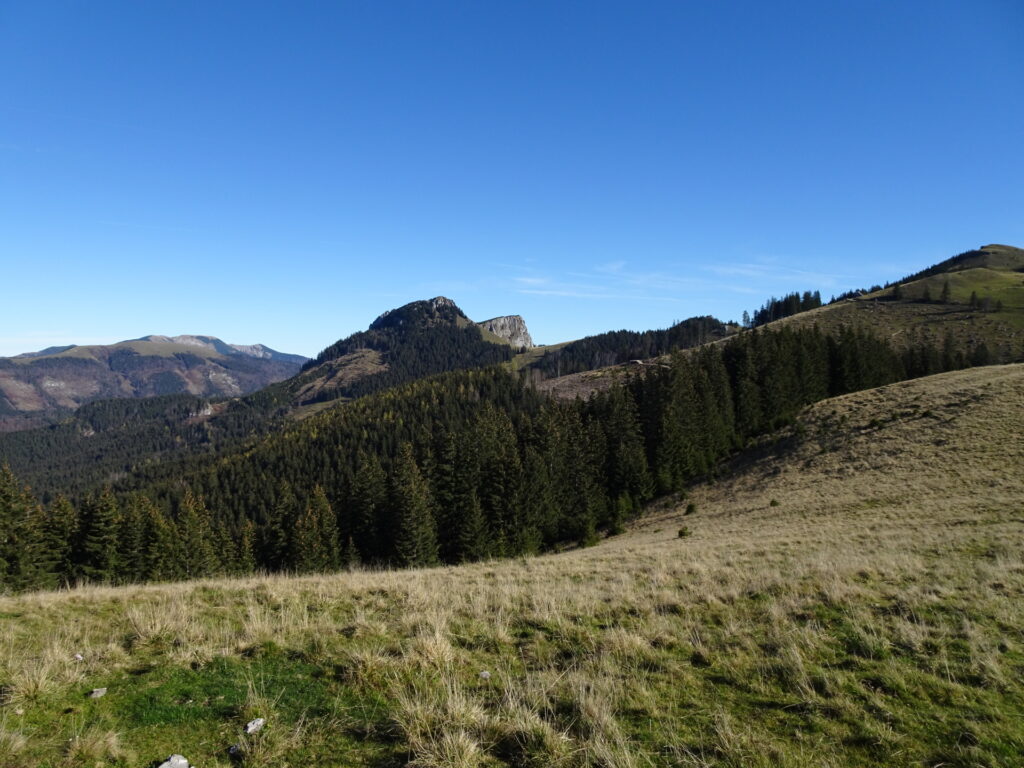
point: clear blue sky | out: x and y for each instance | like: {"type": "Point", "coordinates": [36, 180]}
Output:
{"type": "Point", "coordinates": [283, 172]}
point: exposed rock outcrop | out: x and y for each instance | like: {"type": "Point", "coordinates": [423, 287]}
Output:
{"type": "Point", "coordinates": [511, 328]}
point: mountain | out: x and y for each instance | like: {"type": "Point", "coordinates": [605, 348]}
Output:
{"type": "Point", "coordinates": [107, 440]}
{"type": "Point", "coordinates": [38, 388]}
{"type": "Point", "coordinates": [418, 339]}
{"type": "Point", "coordinates": [213, 344]}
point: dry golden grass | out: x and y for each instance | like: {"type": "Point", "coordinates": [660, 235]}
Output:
{"type": "Point", "coordinates": [871, 616]}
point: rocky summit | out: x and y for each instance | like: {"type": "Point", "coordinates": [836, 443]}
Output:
{"type": "Point", "coordinates": [511, 328]}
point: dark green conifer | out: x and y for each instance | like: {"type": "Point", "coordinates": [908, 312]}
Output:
{"type": "Point", "coordinates": [165, 556]}
{"type": "Point", "coordinates": [415, 534]}
{"type": "Point", "coordinates": [247, 548]}
{"type": "Point", "coordinates": [367, 506]}
{"type": "Point", "coordinates": [98, 558]}
{"type": "Point", "coordinates": [21, 536]}
{"type": "Point", "coordinates": [195, 528]}
{"type": "Point", "coordinates": [60, 530]}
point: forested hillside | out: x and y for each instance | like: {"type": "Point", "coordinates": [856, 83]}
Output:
{"type": "Point", "coordinates": [620, 346]}
{"type": "Point", "coordinates": [452, 468]}
{"type": "Point", "coordinates": [108, 440]}
{"type": "Point", "coordinates": [43, 387]}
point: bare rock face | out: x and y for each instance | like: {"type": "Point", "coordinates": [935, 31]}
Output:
{"type": "Point", "coordinates": [512, 328]}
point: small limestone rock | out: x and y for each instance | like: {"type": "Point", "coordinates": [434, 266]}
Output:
{"type": "Point", "coordinates": [175, 761]}
{"type": "Point", "coordinates": [78, 657]}
{"type": "Point", "coordinates": [253, 726]}
{"type": "Point", "coordinates": [485, 675]}
{"type": "Point", "coordinates": [97, 693]}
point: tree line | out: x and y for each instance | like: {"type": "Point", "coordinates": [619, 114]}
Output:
{"type": "Point", "coordinates": [776, 309]}
{"type": "Point", "coordinates": [616, 347]}
{"type": "Point", "coordinates": [454, 468]}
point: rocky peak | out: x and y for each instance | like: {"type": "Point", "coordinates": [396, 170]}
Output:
{"type": "Point", "coordinates": [439, 310]}
{"type": "Point", "coordinates": [511, 328]}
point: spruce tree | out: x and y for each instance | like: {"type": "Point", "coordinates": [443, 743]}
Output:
{"type": "Point", "coordinates": [165, 556]}
{"type": "Point", "coordinates": [246, 557]}
{"type": "Point", "coordinates": [60, 530]}
{"type": "Point", "coordinates": [367, 506]}
{"type": "Point", "coordinates": [276, 534]}
{"type": "Point", "coordinates": [21, 536]}
{"type": "Point", "coordinates": [195, 528]}
{"type": "Point", "coordinates": [131, 543]}
{"type": "Point", "coordinates": [98, 559]}
{"type": "Point", "coordinates": [415, 535]}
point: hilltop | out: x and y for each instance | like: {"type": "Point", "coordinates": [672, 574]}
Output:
{"type": "Point", "coordinates": [38, 388]}
{"type": "Point", "coordinates": [916, 311]}
{"type": "Point", "coordinates": [848, 594]}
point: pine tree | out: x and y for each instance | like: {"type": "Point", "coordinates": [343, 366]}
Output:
{"type": "Point", "coordinates": [307, 554]}
{"type": "Point", "coordinates": [247, 548]}
{"type": "Point", "coordinates": [98, 558]}
{"type": "Point", "coordinates": [328, 530]}
{"type": "Point", "coordinates": [165, 556]}
{"type": "Point", "coordinates": [131, 540]}
{"type": "Point", "coordinates": [415, 536]}
{"type": "Point", "coordinates": [21, 536]}
{"type": "Point", "coordinates": [944, 298]}
{"type": "Point", "coordinates": [60, 530]}
{"type": "Point", "coordinates": [275, 535]}
{"type": "Point", "coordinates": [195, 527]}
{"type": "Point", "coordinates": [315, 540]}
{"type": "Point", "coordinates": [367, 505]}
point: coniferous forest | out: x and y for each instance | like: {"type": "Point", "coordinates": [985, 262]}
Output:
{"type": "Point", "coordinates": [461, 466]}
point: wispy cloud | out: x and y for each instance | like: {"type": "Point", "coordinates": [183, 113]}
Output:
{"type": "Point", "coordinates": [570, 293]}
{"type": "Point", "coordinates": [769, 273]}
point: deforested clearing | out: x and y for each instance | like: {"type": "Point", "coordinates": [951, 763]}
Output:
{"type": "Point", "coordinates": [849, 592]}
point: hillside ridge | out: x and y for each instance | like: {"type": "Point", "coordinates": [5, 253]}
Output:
{"type": "Point", "coordinates": [39, 388]}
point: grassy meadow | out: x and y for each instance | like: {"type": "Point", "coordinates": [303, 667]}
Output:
{"type": "Point", "coordinates": [848, 593]}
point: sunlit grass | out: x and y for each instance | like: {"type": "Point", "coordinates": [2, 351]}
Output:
{"type": "Point", "coordinates": [872, 617]}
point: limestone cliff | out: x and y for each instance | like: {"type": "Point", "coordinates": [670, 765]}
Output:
{"type": "Point", "coordinates": [511, 328]}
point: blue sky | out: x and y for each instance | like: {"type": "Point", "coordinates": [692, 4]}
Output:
{"type": "Point", "coordinates": [284, 172]}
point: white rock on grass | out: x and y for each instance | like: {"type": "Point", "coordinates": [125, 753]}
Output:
{"type": "Point", "coordinates": [97, 693]}
{"type": "Point", "coordinates": [175, 761]}
{"type": "Point", "coordinates": [485, 675]}
{"type": "Point", "coordinates": [253, 726]}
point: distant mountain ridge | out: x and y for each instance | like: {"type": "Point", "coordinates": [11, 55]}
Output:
{"type": "Point", "coordinates": [260, 351]}
{"type": "Point", "coordinates": [37, 388]}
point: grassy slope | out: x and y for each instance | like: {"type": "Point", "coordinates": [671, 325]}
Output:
{"type": "Point", "coordinates": [850, 596]}
{"type": "Point", "coordinates": [997, 274]}
{"type": "Point", "coordinates": [146, 348]}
